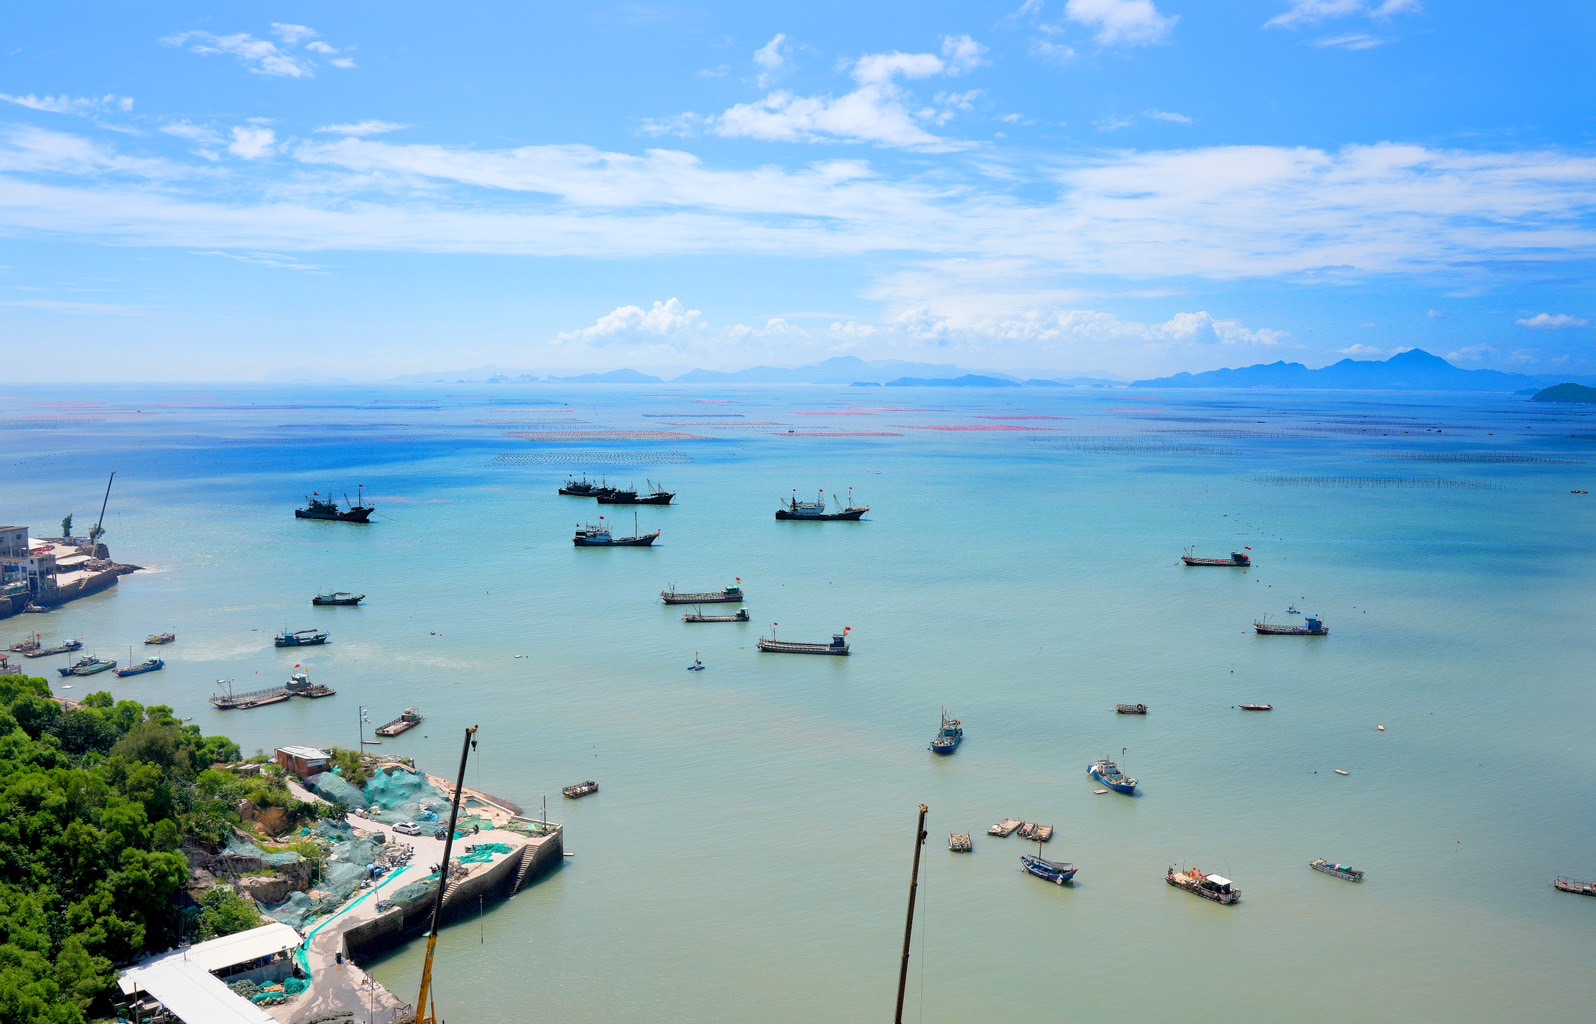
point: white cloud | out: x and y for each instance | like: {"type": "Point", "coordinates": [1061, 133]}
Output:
{"type": "Point", "coordinates": [82, 106]}
{"type": "Point", "coordinates": [262, 56]}
{"type": "Point", "coordinates": [629, 323]}
{"type": "Point", "coordinates": [265, 259]}
{"type": "Point", "coordinates": [1127, 22]}
{"type": "Point", "coordinates": [1167, 115]}
{"type": "Point", "coordinates": [1313, 12]}
{"type": "Point", "coordinates": [252, 142]}
{"type": "Point", "coordinates": [1435, 314]}
{"type": "Point", "coordinates": [1053, 53]}
{"type": "Point", "coordinates": [875, 112]}
{"type": "Point", "coordinates": [1553, 322]}
{"type": "Point", "coordinates": [293, 35]}
{"type": "Point", "coordinates": [362, 129]}
{"type": "Point", "coordinates": [1350, 41]}
{"type": "Point", "coordinates": [772, 59]}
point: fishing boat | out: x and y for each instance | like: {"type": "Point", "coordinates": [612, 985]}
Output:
{"type": "Point", "coordinates": [156, 639]}
{"type": "Point", "coordinates": [1570, 885]}
{"type": "Point", "coordinates": [728, 595]}
{"type": "Point", "coordinates": [583, 488]}
{"type": "Point", "coordinates": [1237, 559]}
{"type": "Point", "coordinates": [949, 737]}
{"type": "Point", "coordinates": [1311, 626]}
{"type": "Point", "coordinates": [1339, 870]}
{"type": "Point", "coordinates": [61, 648]}
{"type": "Point", "coordinates": [1005, 827]}
{"type": "Point", "coordinates": [1257, 707]}
{"type": "Point", "coordinates": [815, 511]}
{"type": "Point", "coordinates": [838, 645]}
{"type": "Point", "coordinates": [591, 536]}
{"type": "Point", "coordinates": [299, 638]}
{"type": "Point", "coordinates": [1107, 773]}
{"type": "Point", "coordinates": [960, 842]}
{"type": "Point", "coordinates": [1291, 609]}
{"type": "Point", "coordinates": [317, 507]}
{"type": "Point", "coordinates": [580, 789]}
{"type": "Point", "coordinates": [741, 616]}
{"type": "Point", "coordinates": [1209, 887]}
{"type": "Point", "coordinates": [87, 665]}
{"type": "Point", "coordinates": [299, 685]}
{"type": "Point", "coordinates": [1056, 871]}
{"type": "Point", "coordinates": [1130, 709]}
{"type": "Point", "coordinates": [409, 720]}
{"type": "Point", "coordinates": [696, 666]}
{"type": "Point", "coordinates": [32, 643]}
{"type": "Point", "coordinates": [616, 496]}
{"type": "Point", "coordinates": [147, 665]}
{"type": "Point", "coordinates": [231, 701]}
{"type": "Point", "coordinates": [338, 598]}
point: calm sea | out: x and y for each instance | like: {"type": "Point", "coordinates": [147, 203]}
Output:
{"type": "Point", "coordinates": [749, 854]}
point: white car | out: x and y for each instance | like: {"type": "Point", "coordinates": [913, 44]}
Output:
{"type": "Point", "coordinates": [408, 828]}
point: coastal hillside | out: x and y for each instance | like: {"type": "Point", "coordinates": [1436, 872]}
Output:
{"type": "Point", "coordinates": [1568, 394]}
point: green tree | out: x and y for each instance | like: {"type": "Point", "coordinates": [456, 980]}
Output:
{"type": "Point", "coordinates": [66, 526]}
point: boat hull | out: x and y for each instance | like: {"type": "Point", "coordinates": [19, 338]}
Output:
{"type": "Point", "coordinates": [583, 541]}
{"type": "Point", "coordinates": [849, 515]}
{"type": "Point", "coordinates": [627, 498]}
{"type": "Point", "coordinates": [153, 665]}
{"type": "Point", "coordinates": [741, 616]}
{"type": "Point", "coordinates": [731, 595]}
{"type": "Point", "coordinates": [1057, 872]}
{"type": "Point", "coordinates": [298, 641]}
{"type": "Point", "coordinates": [337, 601]}
{"type": "Point", "coordinates": [1196, 888]}
{"type": "Point", "coordinates": [1266, 629]}
{"type": "Point", "coordinates": [581, 789]}
{"type": "Point", "coordinates": [783, 647]}
{"type": "Point", "coordinates": [1336, 870]}
{"type": "Point", "coordinates": [353, 515]}
{"type": "Point", "coordinates": [1126, 786]}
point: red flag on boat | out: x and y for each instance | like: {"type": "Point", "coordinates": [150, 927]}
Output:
{"type": "Point", "coordinates": [1246, 549]}
{"type": "Point", "coordinates": [845, 630]}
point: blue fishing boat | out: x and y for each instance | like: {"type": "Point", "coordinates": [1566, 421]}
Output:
{"type": "Point", "coordinates": [87, 665]}
{"type": "Point", "coordinates": [147, 665]}
{"type": "Point", "coordinates": [1106, 772]}
{"type": "Point", "coordinates": [1312, 626]}
{"type": "Point", "coordinates": [1056, 871]}
{"type": "Point", "coordinates": [299, 638]}
{"type": "Point", "coordinates": [949, 737]}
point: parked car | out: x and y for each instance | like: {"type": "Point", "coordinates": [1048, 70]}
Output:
{"type": "Point", "coordinates": [408, 828]}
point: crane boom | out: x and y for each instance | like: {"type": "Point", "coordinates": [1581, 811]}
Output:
{"type": "Point", "coordinates": [424, 1013]}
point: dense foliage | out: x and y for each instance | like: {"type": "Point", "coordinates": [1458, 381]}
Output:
{"type": "Point", "coordinates": [95, 802]}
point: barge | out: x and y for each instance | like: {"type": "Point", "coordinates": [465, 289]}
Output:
{"type": "Point", "coordinates": [1312, 626]}
{"type": "Point", "coordinates": [729, 595]}
{"type": "Point", "coordinates": [1338, 870]}
{"type": "Point", "coordinates": [838, 645]}
{"type": "Point", "coordinates": [1237, 559]}
{"type": "Point", "coordinates": [1209, 887]}
{"type": "Point", "coordinates": [409, 720]}
{"type": "Point", "coordinates": [580, 789]}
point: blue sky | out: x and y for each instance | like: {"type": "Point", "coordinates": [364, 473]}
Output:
{"type": "Point", "coordinates": [1133, 187]}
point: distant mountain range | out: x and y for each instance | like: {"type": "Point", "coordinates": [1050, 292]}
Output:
{"type": "Point", "coordinates": [1414, 370]}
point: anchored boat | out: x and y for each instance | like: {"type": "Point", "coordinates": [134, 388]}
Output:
{"type": "Point", "coordinates": [147, 665]}
{"type": "Point", "coordinates": [838, 645]}
{"type": "Point", "coordinates": [27, 646]}
{"type": "Point", "coordinates": [1209, 887]}
{"type": "Point", "coordinates": [1005, 827]}
{"type": "Point", "coordinates": [1339, 870]}
{"type": "Point", "coordinates": [409, 720]}
{"type": "Point", "coordinates": [583, 488]}
{"type": "Point", "coordinates": [1237, 559]}
{"type": "Point", "coordinates": [1570, 885]}
{"type": "Point", "coordinates": [231, 701]}
{"type": "Point", "coordinates": [299, 685]}
{"type": "Point", "coordinates": [949, 737]}
{"type": "Point", "coordinates": [815, 511]}
{"type": "Point", "coordinates": [1130, 709]}
{"type": "Point", "coordinates": [741, 616]}
{"type": "Point", "coordinates": [591, 536]}
{"type": "Point", "coordinates": [1257, 707]}
{"type": "Point", "coordinates": [299, 638]}
{"type": "Point", "coordinates": [1107, 773]}
{"type": "Point", "coordinates": [338, 598]}
{"type": "Point", "coordinates": [61, 648]}
{"type": "Point", "coordinates": [1056, 871]}
{"type": "Point", "coordinates": [157, 639]}
{"type": "Point", "coordinates": [613, 496]}
{"type": "Point", "coordinates": [727, 595]}
{"type": "Point", "coordinates": [1311, 626]}
{"type": "Point", "coordinates": [317, 507]}
{"type": "Point", "coordinates": [960, 842]}
{"type": "Point", "coordinates": [580, 789]}
{"type": "Point", "coordinates": [87, 665]}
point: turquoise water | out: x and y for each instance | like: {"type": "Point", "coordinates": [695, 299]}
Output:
{"type": "Point", "coordinates": [749, 853]}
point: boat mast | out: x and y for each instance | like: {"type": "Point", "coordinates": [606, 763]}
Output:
{"type": "Point", "coordinates": [908, 924]}
{"type": "Point", "coordinates": [424, 1014]}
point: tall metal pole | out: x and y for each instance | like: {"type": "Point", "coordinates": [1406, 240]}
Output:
{"type": "Point", "coordinates": [95, 539]}
{"type": "Point", "coordinates": [423, 1009]}
{"type": "Point", "coordinates": [908, 925]}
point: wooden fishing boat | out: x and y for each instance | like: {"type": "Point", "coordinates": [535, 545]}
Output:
{"type": "Point", "coordinates": [1311, 626]}
{"type": "Point", "coordinates": [728, 595]}
{"type": "Point", "coordinates": [1237, 559]}
{"type": "Point", "coordinates": [599, 536]}
{"type": "Point", "coordinates": [87, 665]}
{"type": "Point", "coordinates": [1570, 885]}
{"type": "Point", "coordinates": [580, 789]}
{"type": "Point", "coordinates": [615, 496]}
{"type": "Point", "coordinates": [582, 488]}
{"type": "Point", "coordinates": [147, 665]}
{"type": "Point", "coordinates": [157, 639]}
{"type": "Point", "coordinates": [741, 616]}
{"type": "Point", "coordinates": [1338, 870]}
{"type": "Point", "coordinates": [1056, 871]}
{"type": "Point", "coordinates": [299, 638]}
{"type": "Point", "coordinates": [61, 648]}
{"type": "Point", "coordinates": [31, 644]}
{"type": "Point", "coordinates": [338, 598]}
{"type": "Point", "coordinates": [949, 737]}
{"type": "Point", "coordinates": [1209, 887]}
{"type": "Point", "coordinates": [1107, 773]}
{"type": "Point", "coordinates": [408, 720]}
{"type": "Point", "coordinates": [1130, 709]}
{"type": "Point", "coordinates": [838, 645]}
{"type": "Point", "coordinates": [815, 511]}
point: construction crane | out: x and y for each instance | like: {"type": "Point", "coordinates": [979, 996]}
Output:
{"type": "Point", "coordinates": [426, 1013]}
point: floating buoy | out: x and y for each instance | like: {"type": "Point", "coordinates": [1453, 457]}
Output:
{"type": "Point", "coordinates": [1380, 727]}
{"type": "Point", "coordinates": [1342, 771]}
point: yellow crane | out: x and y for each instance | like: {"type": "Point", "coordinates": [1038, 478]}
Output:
{"type": "Point", "coordinates": [426, 1013]}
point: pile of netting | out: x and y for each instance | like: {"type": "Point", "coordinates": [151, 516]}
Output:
{"type": "Point", "coordinates": [398, 795]}
{"type": "Point", "coordinates": [243, 857]}
{"type": "Point", "coordinates": [346, 865]}
{"type": "Point", "coordinates": [416, 894]}
{"type": "Point", "coordinates": [334, 787]}
{"type": "Point", "coordinates": [272, 993]}
{"type": "Point", "coordinates": [482, 854]}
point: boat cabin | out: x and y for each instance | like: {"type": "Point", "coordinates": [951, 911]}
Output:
{"type": "Point", "coordinates": [1217, 883]}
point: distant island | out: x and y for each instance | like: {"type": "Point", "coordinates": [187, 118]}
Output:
{"type": "Point", "coordinates": [1413, 370]}
{"type": "Point", "coordinates": [1572, 394]}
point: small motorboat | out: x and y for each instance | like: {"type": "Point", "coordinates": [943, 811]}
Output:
{"type": "Point", "coordinates": [1056, 871]}
{"type": "Point", "coordinates": [1257, 707]}
{"type": "Point", "coordinates": [696, 666]}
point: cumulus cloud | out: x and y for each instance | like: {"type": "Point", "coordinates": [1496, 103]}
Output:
{"type": "Point", "coordinates": [630, 323]}
{"type": "Point", "coordinates": [81, 106]}
{"type": "Point", "coordinates": [1301, 13]}
{"type": "Point", "coordinates": [252, 142]}
{"type": "Point", "coordinates": [1552, 322]}
{"type": "Point", "coordinates": [771, 59]}
{"type": "Point", "coordinates": [876, 111]}
{"type": "Point", "coordinates": [1121, 22]}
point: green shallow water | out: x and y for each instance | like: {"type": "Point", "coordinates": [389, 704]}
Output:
{"type": "Point", "coordinates": [749, 852]}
